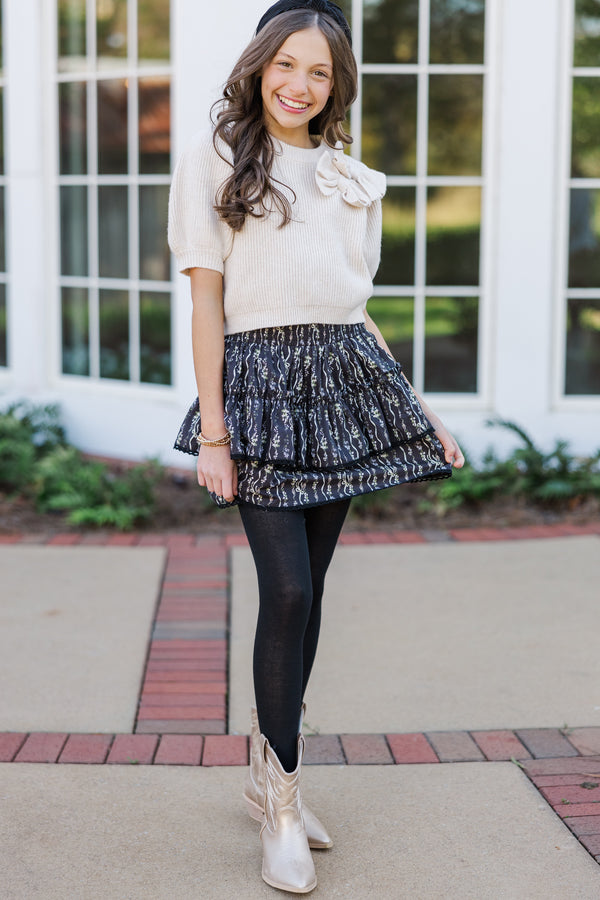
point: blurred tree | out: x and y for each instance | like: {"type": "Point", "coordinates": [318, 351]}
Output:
{"type": "Point", "coordinates": [587, 33]}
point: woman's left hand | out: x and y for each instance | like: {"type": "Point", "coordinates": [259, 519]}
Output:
{"type": "Point", "coordinates": [452, 452]}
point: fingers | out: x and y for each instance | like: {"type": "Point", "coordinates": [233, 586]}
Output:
{"type": "Point", "coordinates": [452, 452]}
{"type": "Point", "coordinates": [454, 456]}
{"type": "Point", "coordinates": [229, 483]}
{"type": "Point", "coordinates": [459, 461]}
{"type": "Point", "coordinates": [218, 474]}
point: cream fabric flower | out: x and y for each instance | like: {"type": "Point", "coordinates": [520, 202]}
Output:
{"type": "Point", "coordinates": [358, 185]}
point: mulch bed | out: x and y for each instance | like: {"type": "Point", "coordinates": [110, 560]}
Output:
{"type": "Point", "coordinates": [184, 507]}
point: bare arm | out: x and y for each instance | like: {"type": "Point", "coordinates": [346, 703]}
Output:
{"type": "Point", "coordinates": [452, 451]}
{"type": "Point", "coordinates": [216, 470]}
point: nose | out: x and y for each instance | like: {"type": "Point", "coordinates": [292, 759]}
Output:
{"type": "Point", "coordinates": [299, 83]}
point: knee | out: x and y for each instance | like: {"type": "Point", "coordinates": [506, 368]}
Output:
{"type": "Point", "coordinates": [292, 602]}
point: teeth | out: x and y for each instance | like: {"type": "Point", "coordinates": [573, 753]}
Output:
{"type": "Point", "coordinates": [293, 103]}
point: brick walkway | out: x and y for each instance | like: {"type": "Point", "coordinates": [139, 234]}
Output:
{"type": "Point", "coordinates": [182, 714]}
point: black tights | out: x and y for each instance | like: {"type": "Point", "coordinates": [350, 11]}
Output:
{"type": "Point", "coordinates": [292, 550]}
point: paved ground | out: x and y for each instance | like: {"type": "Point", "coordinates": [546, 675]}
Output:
{"type": "Point", "coordinates": [74, 630]}
{"type": "Point", "coordinates": [440, 636]}
{"type": "Point", "coordinates": [468, 654]}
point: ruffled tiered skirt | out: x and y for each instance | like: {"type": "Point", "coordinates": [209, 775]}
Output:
{"type": "Point", "coordinates": [318, 413]}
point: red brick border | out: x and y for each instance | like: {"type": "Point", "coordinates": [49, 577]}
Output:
{"type": "Point", "coordinates": [571, 787]}
{"type": "Point", "coordinates": [182, 541]}
{"type": "Point", "coordinates": [443, 747]}
{"type": "Point", "coordinates": [185, 683]}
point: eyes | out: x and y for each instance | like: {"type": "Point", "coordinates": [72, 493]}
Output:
{"type": "Point", "coordinates": [285, 64]}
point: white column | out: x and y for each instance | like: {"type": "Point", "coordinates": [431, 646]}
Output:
{"type": "Point", "coordinates": [30, 296]}
{"type": "Point", "coordinates": [526, 211]}
{"type": "Point", "coordinates": [208, 38]}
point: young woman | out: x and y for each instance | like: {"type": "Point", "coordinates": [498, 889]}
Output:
{"type": "Point", "coordinates": [300, 404]}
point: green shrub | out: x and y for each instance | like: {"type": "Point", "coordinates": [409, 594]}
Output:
{"type": "Point", "coordinates": [27, 433]}
{"type": "Point", "coordinates": [90, 494]}
{"type": "Point", "coordinates": [528, 472]}
{"type": "Point", "coordinates": [36, 459]}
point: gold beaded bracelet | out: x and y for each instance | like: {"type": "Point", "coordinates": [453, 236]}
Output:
{"type": "Point", "coordinates": [220, 442]}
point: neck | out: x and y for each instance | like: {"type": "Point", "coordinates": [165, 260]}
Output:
{"type": "Point", "coordinates": [303, 140]}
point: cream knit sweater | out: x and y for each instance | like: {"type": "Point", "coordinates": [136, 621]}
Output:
{"type": "Point", "coordinates": [318, 268]}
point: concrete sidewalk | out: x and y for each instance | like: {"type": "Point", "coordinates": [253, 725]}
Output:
{"type": "Point", "coordinates": [447, 638]}
{"type": "Point", "coordinates": [472, 830]}
{"type": "Point", "coordinates": [444, 637]}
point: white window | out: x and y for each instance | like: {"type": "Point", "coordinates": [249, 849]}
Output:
{"type": "Point", "coordinates": [3, 275]}
{"type": "Point", "coordinates": [422, 119]}
{"type": "Point", "coordinates": [113, 92]}
{"type": "Point", "coordinates": [580, 275]}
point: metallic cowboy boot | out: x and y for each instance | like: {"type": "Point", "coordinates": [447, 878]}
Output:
{"type": "Point", "coordinates": [254, 790]}
{"type": "Point", "coordinates": [287, 863]}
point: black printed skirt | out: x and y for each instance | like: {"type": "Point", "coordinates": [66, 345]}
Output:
{"type": "Point", "coordinates": [318, 413]}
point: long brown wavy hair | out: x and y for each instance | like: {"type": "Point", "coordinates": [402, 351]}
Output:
{"type": "Point", "coordinates": [240, 120]}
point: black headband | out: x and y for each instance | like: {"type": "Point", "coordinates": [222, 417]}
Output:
{"type": "Point", "coordinates": [322, 6]}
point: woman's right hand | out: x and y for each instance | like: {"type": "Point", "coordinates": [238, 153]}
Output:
{"type": "Point", "coordinates": [217, 472]}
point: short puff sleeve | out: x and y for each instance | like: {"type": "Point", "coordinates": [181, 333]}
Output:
{"type": "Point", "coordinates": [197, 236]}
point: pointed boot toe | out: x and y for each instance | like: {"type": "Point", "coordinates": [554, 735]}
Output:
{"type": "Point", "coordinates": [318, 838]}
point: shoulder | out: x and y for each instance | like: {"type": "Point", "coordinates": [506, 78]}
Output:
{"type": "Point", "coordinates": [359, 170]}
{"type": "Point", "coordinates": [201, 154]}
{"type": "Point", "coordinates": [358, 184]}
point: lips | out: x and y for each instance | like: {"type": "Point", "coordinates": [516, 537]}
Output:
{"type": "Point", "coordinates": [292, 105]}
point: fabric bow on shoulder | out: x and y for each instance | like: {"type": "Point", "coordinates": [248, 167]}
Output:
{"type": "Point", "coordinates": [358, 185]}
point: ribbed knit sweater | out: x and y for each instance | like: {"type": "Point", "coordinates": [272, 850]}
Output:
{"type": "Point", "coordinates": [317, 268]}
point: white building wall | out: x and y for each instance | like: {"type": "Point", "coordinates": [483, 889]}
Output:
{"type": "Point", "coordinates": [521, 323]}
{"type": "Point", "coordinates": [25, 209]}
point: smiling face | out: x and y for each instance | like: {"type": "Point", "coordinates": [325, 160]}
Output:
{"type": "Point", "coordinates": [296, 86]}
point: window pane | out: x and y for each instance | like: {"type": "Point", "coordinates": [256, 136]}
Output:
{"type": "Point", "coordinates": [74, 230]}
{"type": "Point", "coordinates": [389, 136]}
{"type": "Point", "coordinates": [398, 245]}
{"type": "Point", "coordinates": [2, 232]}
{"type": "Point", "coordinates": [453, 226]}
{"type": "Point", "coordinates": [1, 131]}
{"type": "Point", "coordinates": [71, 34]}
{"type": "Point", "coordinates": [455, 124]}
{"type": "Point", "coordinates": [394, 316]}
{"type": "Point", "coordinates": [72, 105]}
{"type": "Point", "coordinates": [346, 8]}
{"type": "Point", "coordinates": [75, 331]}
{"type": "Point", "coordinates": [583, 347]}
{"type": "Point", "coordinates": [113, 225]}
{"type": "Point", "coordinates": [587, 32]}
{"type": "Point", "coordinates": [155, 260]}
{"type": "Point", "coordinates": [114, 334]}
{"type": "Point", "coordinates": [111, 32]}
{"type": "Point", "coordinates": [391, 31]}
{"type": "Point", "coordinates": [3, 327]}
{"type": "Point", "coordinates": [155, 337]}
{"type": "Point", "coordinates": [451, 325]}
{"type": "Point", "coordinates": [584, 238]}
{"type": "Point", "coordinates": [155, 125]}
{"type": "Point", "coordinates": [154, 41]}
{"type": "Point", "coordinates": [112, 127]}
{"type": "Point", "coordinates": [585, 157]}
{"type": "Point", "coordinates": [457, 31]}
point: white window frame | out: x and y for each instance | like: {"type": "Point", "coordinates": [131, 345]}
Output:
{"type": "Point", "coordinates": [130, 70]}
{"type": "Point", "coordinates": [420, 181]}
{"type": "Point", "coordinates": [4, 183]}
{"type": "Point", "coordinates": [561, 400]}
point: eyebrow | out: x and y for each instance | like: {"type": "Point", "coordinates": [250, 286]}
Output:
{"type": "Point", "coordinates": [318, 65]}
